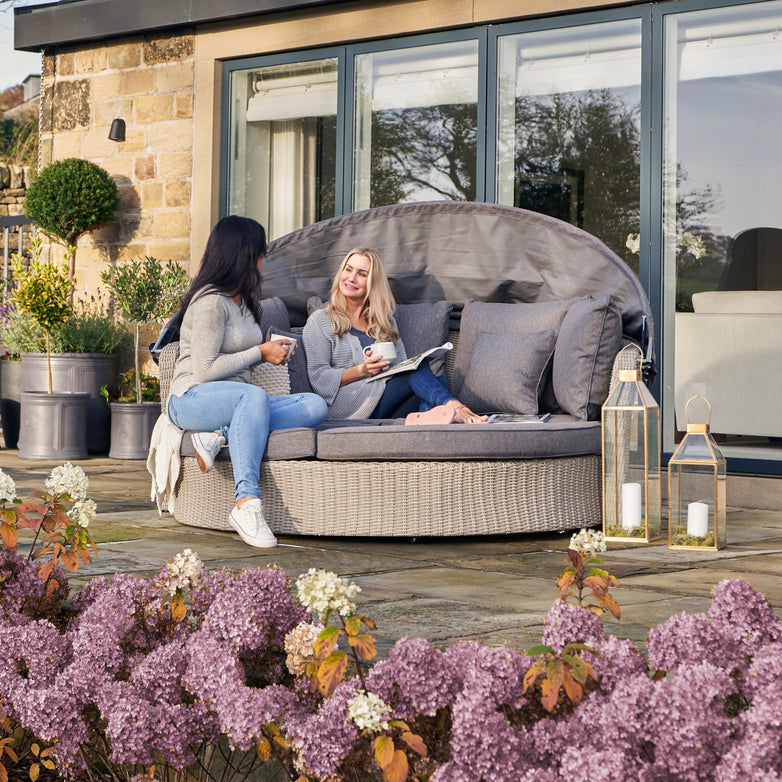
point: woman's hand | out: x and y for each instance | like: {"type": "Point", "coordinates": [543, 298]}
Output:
{"type": "Point", "coordinates": [371, 365]}
{"type": "Point", "coordinates": [276, 351]}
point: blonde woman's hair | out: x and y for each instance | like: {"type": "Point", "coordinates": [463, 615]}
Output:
{"type": "Point", "coordinates": [379, 304]}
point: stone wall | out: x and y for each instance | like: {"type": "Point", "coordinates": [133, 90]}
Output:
{"type": "Point", "coordinates": [13, 186]}
{"type": "Point", "coordinates": [149, 82]}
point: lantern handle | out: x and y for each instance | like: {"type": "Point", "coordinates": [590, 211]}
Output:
{"type": "Point", "coordinates": [687, 409]}
{"type": "Point", "coordinates": [632, 346]}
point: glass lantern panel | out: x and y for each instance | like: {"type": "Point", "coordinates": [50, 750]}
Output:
{"type": "Point", "coordinates": [697, 504]}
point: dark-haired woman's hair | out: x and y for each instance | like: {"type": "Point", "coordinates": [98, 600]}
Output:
{"type": "Point", "coordinates": [230, 263]}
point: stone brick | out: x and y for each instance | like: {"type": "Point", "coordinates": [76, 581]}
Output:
{"type": "Point", "coordinates": [105, 111]}
{"type": "Point", "coordinates": [145, 167]}
{"type": "Point", "coordinates": [136, 139]}
{"type": "Point", "coordinates": [184, 105]}
{"type": "Point", "coordinates": [50, 64]}
{"type": "Point", "coordinates": [71, 105]}
{"type": "Point", "coordinates": [105, 234]}
{"type": "Point", "coordinates": [5, 176]}
{"type": "Point", "coordinates": [154, 108]}
{"type": "Point", "coordinates": [46, 150]}
{"type": "Point", "coordinates": [96, 143]}
{"type": "Point", "coordinates": [173, 224]}
{"type": "Point", "coordinates": [46, 121]}
{"type": "Point", "coordinates": [171, 251]}
{"type": "Point", "coordinates": [127, 252]}
{"type": "Point", "coordinates": [168, 48]}
{"type": "Point", "coordinates": [136, 226]}
{"type": "Point", "coordinates": [178, 193]}
{"type": "Point", "coordinates": [120, 167]}
{"type": "Point", "coordinates": [173, 165]}
{"type": "Point", "coordinates": [66, 145]}
{"type": "Point", "coordinates": [105, 85]}
{"type": "Point", "coordinates": [174, 76]}
{"type": "Point", "coordinates": [14, 210]}
{"type": "Point", "coordinates": [129, 198]}
{"type": "Point", "coordinates": [140, 81]}
{"type": "Point", "coordinates": [89, 60]}
{"type": "Point", "coordinates": [176, 136]}
{"type": "Point", "coordinates": [152, 195]}
{"type": "Point", "coordinates": [125, 55]}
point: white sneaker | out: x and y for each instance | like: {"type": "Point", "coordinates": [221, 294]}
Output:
{"type": "Point", "coordinates": [207, 445]}
{"type": "Point", "coordinates": [248, 521]}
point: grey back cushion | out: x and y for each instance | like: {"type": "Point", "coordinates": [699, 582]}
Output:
{"type": "Point", "coordinates": [423, 326]}
{"type": "Point", "coordinates": [494, 318]}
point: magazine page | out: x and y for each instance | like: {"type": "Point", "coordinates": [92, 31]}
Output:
{"type": "Point", "coordinates": [409, 364]}
{"type": "Point", "coordinates": [519, 418]}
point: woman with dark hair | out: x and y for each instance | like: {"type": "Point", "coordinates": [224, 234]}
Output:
{"type": "Point", "coordinates": [220, 339]}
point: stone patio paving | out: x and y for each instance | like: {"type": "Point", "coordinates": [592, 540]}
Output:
{"type": "Point", "coordinates": [494, 589]}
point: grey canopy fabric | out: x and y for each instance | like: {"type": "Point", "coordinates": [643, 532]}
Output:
{"type": "Point", "coordinates": [455, 251]}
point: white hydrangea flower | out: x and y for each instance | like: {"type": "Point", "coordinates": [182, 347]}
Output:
{"type": "Point", "coordinates": [184, 571]}
{"type": "Point", "coordinates": [321, 590]}
{"type": "Point", "coordinates": [7, 488]}
{"type": "Point", "coordinates": [369, 711]}
{"type": "Point", "coordinates": [83, 512]}
{"type": "Point", "coordinates": [694, 245]}
{"type": "Point", "coordinates": [68, 479]}
{"type": "Point", "coordinates": [299, 645]}
{"type": "Point", "coordinates": [588, 542]}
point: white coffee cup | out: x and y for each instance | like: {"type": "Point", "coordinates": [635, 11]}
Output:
{"type": "Point", "coordinates": [385, 349]}
{"type": "Point", "coordinates": [292, 341]}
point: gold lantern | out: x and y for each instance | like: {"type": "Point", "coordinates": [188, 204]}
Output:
{"type": "Point", "coordinates": [696, 489]}
{"type": "Point", "coordinates": [631, 456]}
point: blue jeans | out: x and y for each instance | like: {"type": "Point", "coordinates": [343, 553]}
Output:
{"type": "Point", "coordinates": [244, 414]}
{"type": "Point", "coordinates": [411, 392]}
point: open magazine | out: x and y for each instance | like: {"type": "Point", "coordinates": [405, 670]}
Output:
{"type": "Point", "coordinates": [518, 418]}
{"type": "Point", "coordinates": [409, 364]}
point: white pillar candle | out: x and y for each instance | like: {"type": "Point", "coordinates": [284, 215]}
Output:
{"type": "Point", "coordinates": [697, 519]}
{"type": "Point", "coordinates": [631, 505]}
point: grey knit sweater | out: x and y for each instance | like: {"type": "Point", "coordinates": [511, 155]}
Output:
{"type": "Point", "coordinates": [218, 341]}
{"type": "Point", "coordinates": [327, 356]}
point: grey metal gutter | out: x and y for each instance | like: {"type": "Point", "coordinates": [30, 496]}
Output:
{"type": "Point", "coordinates": [73, 21]}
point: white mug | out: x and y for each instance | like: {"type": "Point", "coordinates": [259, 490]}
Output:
{"type": "Point", "coordinates": [292, 341]}
{"type": "Point", "coordinates": [385, 349]}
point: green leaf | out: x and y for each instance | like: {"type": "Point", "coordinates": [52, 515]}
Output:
{"type": "Point", "coordinates": [539, 649]}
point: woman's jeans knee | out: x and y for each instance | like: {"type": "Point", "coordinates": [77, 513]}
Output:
{"type": "Point", "coordinates": [244, 414]}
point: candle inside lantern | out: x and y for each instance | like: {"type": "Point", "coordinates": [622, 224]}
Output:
{"type": "Point", "coordinates": [631, 505]}
{"type": "Point", "coordinates": [697, 519]}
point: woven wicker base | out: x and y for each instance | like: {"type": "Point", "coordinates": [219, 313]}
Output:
{"type": "Point", "coordinates": [408, 499]}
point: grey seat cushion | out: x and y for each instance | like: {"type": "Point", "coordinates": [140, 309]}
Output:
{"type": "Point", "coordinates": [561, 435]}
{"type": "Point", "coordinates": [283, 444]}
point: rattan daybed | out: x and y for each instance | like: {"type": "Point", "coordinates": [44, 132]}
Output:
{"type": "Point", "coordinates": [479, 264]}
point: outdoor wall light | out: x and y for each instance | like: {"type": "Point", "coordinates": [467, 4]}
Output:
{"type": "Point", "coordinates": [631, 456]}
{"type": "Point", "coordinates": [117, 131]}
{"type": "Point", "coordinates": [696, 489]}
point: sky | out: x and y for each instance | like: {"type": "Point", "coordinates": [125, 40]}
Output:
{"type": "Point", "coordinates": [14, 66]}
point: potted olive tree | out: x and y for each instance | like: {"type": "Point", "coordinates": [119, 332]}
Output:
{"type": "Point", "coordinates": [68, 198]}
{"type": "Point", "coordinates": [144, 290]}
{"type": "Point", "coordinates": [53, 424]}
{"type": "Point", "coordinates": [82, 354]}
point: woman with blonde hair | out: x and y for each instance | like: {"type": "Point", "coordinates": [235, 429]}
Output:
{"type": "Point", "coordinates": [360, 311]}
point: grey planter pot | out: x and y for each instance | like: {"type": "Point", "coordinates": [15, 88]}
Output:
{"type": "Point", "coordinates": [131, 428]}
{"type": "Point", "coordinates": [77, 372]}
{"type": "Point", "coordinates": [10, 401]}
{"type": "Point", "coordinates": [53, 426]}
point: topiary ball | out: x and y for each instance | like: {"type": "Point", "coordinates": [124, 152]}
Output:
{"type": "Point", "coordinates": [71, 196]}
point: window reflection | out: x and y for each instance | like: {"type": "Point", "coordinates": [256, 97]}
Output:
{"type": "Point", "coordinates": [568, 124]}
{"type": "Point", "coordinates": [722, 222]}
{"type": "Point", "coordinates": [283, 144]}
{"type": "Point", "coordinates": [416, 131]}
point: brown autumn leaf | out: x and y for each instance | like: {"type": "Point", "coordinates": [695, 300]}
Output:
{"type": "Point", "coordinates": [397, 769]}
{"type": "Point", "coordinates": [178, 608]}
{"type": "Point", "coordinates": [573, 689]}
{"type": "Point", "coordinates": [364, 644]}
{"type": "Point", "coordinates": [384, 751]}
{"type": "Point", "coordinates": [9, 535]}
{"type": "Point", "coordinates": [331, 671]}
{"type": "Point", "coordinates": [415, 742]}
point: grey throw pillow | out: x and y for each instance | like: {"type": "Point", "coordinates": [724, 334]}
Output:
{"type": "Point", "coordinates": [423, 326]}
{"type": "Point", "coordinates": [589, 338]}
{"type": "Point", "coordinates": [274, 313]}
{"type": "Point", "coordinates": [297, 367]}
{"type": "Point", "coordinates": [495, 318]}
{"type": "Point", "coordinates": [507, 372]}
